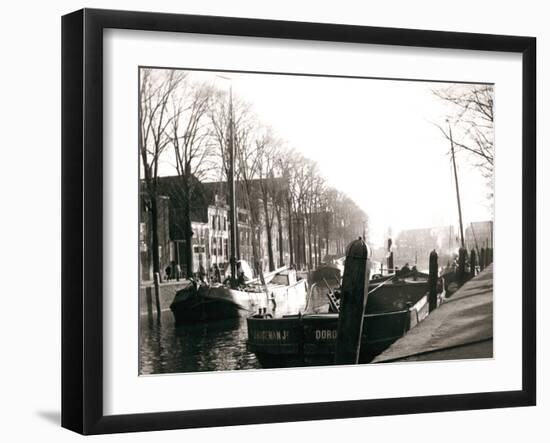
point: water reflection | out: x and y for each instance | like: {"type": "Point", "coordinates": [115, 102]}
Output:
{"type": "Point", "coordinates": [210, 346]}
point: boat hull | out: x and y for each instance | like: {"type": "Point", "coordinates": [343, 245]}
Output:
{"type": "Point", "coordinates": [220, 302]}
{"type": "Point", "coordinates": [304, 340]}
{"type": "Point", "coordinates": [331, 273]}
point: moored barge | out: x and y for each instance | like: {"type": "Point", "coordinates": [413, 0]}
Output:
{"type": "Point", "coordinates": [393, 308]}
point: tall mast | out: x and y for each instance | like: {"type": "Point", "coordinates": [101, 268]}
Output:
{"type": "Point", "coordinates": [231, 183]}
{"type": "Point", "coordinates": [456, 184]}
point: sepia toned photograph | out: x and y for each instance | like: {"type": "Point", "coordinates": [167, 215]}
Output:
{"type": "Point", "coordinates": [295, 220]}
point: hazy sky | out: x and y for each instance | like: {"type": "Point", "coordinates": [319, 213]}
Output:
{"type": "Point", "coordinates": [373, 140]}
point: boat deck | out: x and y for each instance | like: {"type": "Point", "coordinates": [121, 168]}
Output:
{"type": "Point", "coordinates": [462, 327]}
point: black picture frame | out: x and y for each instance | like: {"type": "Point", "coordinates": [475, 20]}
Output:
{"type": "Point", "coordinates": [82, 215]}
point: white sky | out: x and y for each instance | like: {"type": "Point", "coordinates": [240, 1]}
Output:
{"type": "Point", "coordinates": [373, 139]}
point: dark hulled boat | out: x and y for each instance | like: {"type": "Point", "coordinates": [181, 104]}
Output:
{"type": "Point", "coordinates": [284, 294]}
{"type": "Point", "coordinates": [331, 271]}
{"type": "Point", "coordinates": [393, 307]}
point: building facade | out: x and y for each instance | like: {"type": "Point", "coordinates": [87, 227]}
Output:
{"type": "Point", "coordinates": [313, 235]}
{"type": "Point", "coordinates": [413, 246]}
{"type": "Point", "coordinates": [166, 247]}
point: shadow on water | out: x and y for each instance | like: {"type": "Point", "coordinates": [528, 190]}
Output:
{"type": "Point", "coordinates": [210, 346]}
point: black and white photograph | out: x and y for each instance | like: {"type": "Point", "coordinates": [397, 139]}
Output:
{"type": "Point", "coordinates": [294, 220]}
{"type": "Point", "coordinates": [271, 222]}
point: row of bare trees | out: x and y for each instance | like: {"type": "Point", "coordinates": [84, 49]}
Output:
{"type": "Point", "coordinates": [187, 124]}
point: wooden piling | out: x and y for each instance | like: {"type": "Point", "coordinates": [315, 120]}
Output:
{"type": "Point", "coordinates": [482, 259]}
{"type": "Point", "coordinates": [432, 281]}
{"type": "Point", "coordinates": [472, 263]}
{"type": "Point", "coordinates": [462, 254]}
{"type": "Point", "coordinates": [157, 293]}
{"type": "Point", "coordinates": [391, 269]}
{"type": "Point", "coordinates": [355, 285]}
{"type": "Point", "coordinates": [149, 301]}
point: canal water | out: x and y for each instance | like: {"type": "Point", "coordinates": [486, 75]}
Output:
{"type": "Point", "coordinates": [209, 346]}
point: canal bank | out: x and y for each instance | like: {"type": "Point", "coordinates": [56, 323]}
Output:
{"type": "Point", "coordinates": [167, 291]}
{"type": "Point", "coordinates": [461, 328]}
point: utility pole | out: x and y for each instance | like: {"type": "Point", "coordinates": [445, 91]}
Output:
{"type": "Point", "coordinates": [456, 184]}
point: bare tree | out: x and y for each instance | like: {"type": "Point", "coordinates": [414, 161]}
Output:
{"type": "Point", "coordinates": [268, 152]}
{"type": "Point", "coordinates": [274, 181]}
{"type": "Point", "coordinates": [192, 150]}
{"type": "Point", "coordinates": [285, 163]}
{"type": "Point", "coordinates": [313, 185]}
{"type": "Point", "coordinates": [156, 90]}
{"type": "Point", "coordinates": [329, 198]}
{"type": "Point", "coordinates": [248, 158]}
{"type": "Point", "coordinates": [280, 198]}
{"type": "Point", "coordinates": [297, 189]}
{"type": "Point", "coordinates": [219, 114]}
{"type": "Point", "coordinates": [318, 189]}
{"type": "Point", "coordinates": [471, 118]}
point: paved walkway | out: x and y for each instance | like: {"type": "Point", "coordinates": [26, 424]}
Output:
{"type": "Point", "coordinates": [462, 327]}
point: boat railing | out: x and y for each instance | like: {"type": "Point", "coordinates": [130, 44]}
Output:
{"type": "Point", "coordinates": [385, 282]}
{"type": "Point", "coordinates": [309, 294]}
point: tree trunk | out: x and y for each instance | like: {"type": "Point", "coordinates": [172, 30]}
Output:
{"type": "Point", "coordinates": [280, 236]}
{"type": "Point", "coordinates": [327, 237]}
{"type": "Point", "coordinates": [268, 226]}
{"type": "Point", "coordinates": [304, 252]}
{"type": "Point", "coordinates": [155, 234]}
{"type": "Point", "coordinates": [290, 240]}
{"type": "Point", "coordinates": [188, 232]}
{"type": "Point", "coordinates": [237, 240]}
{"type": "Point", "coordinates": [299, 242]}
{"type": "Point", "coordinates": [310, 245]}
{"type": "Point", "coordinates": [256, 250]}
{"type": "Point", "coordinates": [316, 247]}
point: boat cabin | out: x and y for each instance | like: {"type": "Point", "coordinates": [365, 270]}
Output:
{"type": "Point", "coordinates": [285, 278]}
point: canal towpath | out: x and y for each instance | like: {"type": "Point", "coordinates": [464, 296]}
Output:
{"type": "Point", "coordinates": [461, 327]}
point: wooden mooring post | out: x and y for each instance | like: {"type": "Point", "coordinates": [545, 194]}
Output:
{"type": "Point", "coordinates": [355, 285]}
{"type": "Point", "coordinates": [149, 301]}
{"type": "Point", "coordinates": [462, 254]}
{"type": "Point", "coordinates": [473, 263]}
{"type": "Point", "coordinates": [432, 281]}
{"type": "Point", "coordinates": [156, 279]}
